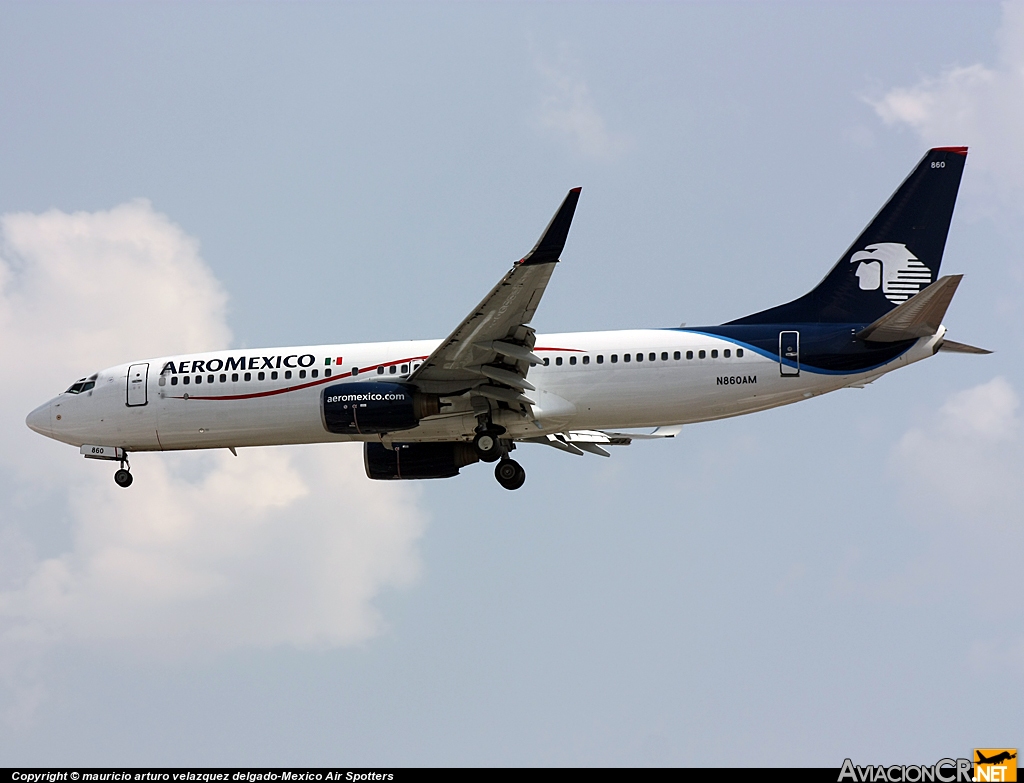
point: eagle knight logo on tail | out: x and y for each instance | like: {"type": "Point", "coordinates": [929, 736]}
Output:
{"type": "Point", "coordinates": [893, 268]}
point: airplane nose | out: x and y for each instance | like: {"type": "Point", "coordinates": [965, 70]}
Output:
{"type": "Point", "coordinates": [39, 420]}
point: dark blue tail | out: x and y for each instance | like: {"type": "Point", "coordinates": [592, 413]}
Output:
{"type": "Point", "coordinates": [897, 255]}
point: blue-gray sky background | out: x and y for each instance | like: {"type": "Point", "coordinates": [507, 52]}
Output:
{"type": "Point", "coordinates": [837, 578]}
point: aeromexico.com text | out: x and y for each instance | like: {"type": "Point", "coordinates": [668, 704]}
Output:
{"type": "Point", "coordinates": [365, 397]}
{"type": "Point", "coordinates": [238, 363]}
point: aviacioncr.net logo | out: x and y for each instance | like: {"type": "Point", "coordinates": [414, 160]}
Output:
{"type": "Point", "coordinates": [942, 771]}
{"type": "Point", "coordinates": [893, 268]}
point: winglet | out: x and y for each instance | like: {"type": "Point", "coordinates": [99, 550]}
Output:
{"type": "Point", "coordinates": [549, 246]}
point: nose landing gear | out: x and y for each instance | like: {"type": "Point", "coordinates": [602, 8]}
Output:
{"type": "Point", "coordinates": [510, 474]}
{"type": "Point", "coordinates": [123, 477]}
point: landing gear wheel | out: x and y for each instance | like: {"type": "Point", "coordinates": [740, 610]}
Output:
{"type": "Point", "coordinates": [510, 474]}
{"type": "Point", "coordinates": [487, 446]}
{"type": "Point", "coordinates": [123, 478]}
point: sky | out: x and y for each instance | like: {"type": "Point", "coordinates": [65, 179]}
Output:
{"type": "Point", "coordinates": [832, 579]}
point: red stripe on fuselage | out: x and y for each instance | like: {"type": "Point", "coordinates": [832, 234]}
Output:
{"type": "Point", "coordinates": [298, 387]}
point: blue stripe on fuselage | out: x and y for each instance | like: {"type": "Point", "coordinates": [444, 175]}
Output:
{"type": "Point", "coordinates": [827, 349]}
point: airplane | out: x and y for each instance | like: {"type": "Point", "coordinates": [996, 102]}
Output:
{"type": "Point", "coordinates": [996, 759]}
{"type": "Point", "coordinates": [425, 409]}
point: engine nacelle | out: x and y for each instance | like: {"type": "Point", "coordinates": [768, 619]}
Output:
{"type": "Point", "coordinates": [417, 460]}
{"type": "Point", "coordinates": [368, 408]}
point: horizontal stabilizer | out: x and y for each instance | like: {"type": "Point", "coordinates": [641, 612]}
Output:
{"type": "Point", "coordinates": [954, 347]}
{"type": "Point", "coordinates": [919, 316]}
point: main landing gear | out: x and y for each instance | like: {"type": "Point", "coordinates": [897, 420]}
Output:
{"type": "Point", "coordinates": [510, 474]}
{"type": "Point", "coordinates": [490, 448]}
{"type": "Point", "coordinates": [487, 446]}
{"type": "Point", "coordinates": [123, 477]}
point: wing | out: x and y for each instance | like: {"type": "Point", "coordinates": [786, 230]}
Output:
{"type": "Point", "coordinates": [492, 348]}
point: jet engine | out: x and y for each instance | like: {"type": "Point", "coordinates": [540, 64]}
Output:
{"type": "Point", "coordinates": [417, 460]}
{"type": "Point", "coordinates": [368, 408]}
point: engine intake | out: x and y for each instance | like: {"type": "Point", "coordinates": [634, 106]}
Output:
{"type": "Point", "coordinates": [369, 408]}
{"type": "Point", "coordinates": [417, 460]}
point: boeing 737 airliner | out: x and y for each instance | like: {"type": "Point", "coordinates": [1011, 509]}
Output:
{"type": "Point", "coordinates": [424, 409]}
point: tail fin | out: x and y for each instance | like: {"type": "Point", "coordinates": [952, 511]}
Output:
{"type": "Point", "coordinates": [897, 255]}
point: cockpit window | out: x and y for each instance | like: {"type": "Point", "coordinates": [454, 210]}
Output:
{"type": "Point", "coordinates": [82, 385]}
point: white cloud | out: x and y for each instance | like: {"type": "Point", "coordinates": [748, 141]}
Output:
{"type": "Point", "coordinates": [568, 111]}
{"type": "Point", "coordinates": [969, 456]}
{"type": "Point", "coordinates": [960, 474]}
{"type": "Point", "coordinates": [979, 106]}
{"type": "Point", "coordinates": [205, 553]}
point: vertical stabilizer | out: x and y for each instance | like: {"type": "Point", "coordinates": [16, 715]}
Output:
{"type": "Point", "coordinates": [895, 257]}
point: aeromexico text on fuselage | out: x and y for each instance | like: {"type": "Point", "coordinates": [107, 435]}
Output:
{"type": "Point", "coordinates": [240, 363]}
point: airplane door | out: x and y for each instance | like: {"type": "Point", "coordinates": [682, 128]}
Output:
{"type": "Point", "coordinates": [789, 353]}
{"type": "Point", "coordinates": [138, 374]}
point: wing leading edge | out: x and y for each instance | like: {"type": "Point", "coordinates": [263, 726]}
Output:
{"type": "Point", "coordinates": [491, 350]}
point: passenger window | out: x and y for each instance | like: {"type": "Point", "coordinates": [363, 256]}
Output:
{"type": "Point", "coordinates": [223, 378]}
{"type": "Point", "coordinates": [247, 376]}
{"type": "Point", "coordinates": [314, 373]}
{"type": "Point", "coordinates": [664, 356]}
{"type": "Point", "coordinates": [327, 374]}
{"type": "Point", "coordinates": [726, 353]}
{"type": "Point", "coordinates": [234, 377]}
{"type": "Point", "coordinates": [689, 354]}
{"type": "Point", "coordinates": [586, 360]}
{"type": "Point", "coordinates": [572, 360]}
{"type": "Point", "coordinates": [714, 353]}
{"type": "Point", "coordinates": [199, 379]}
{"type": "Point", "coordinates": [739, 353]}
{"type": "Point", "coordinates": [626, 357]}
{"type": "Point", "coordinates": [392, 369]}
{"type": "Point", "coordinates": [615, 358]}
{"type": "Point", "coordinates": [600, 358]}
{"type": "Point", "coordinates": [405, 369]}
{"type": "Point", "coordinates": [287, 375]}
{"type": "Point", "coordinates": [162, 381]}
{"type": "Point", "coordinates": [558, 361]}
{"type": "Point", "coordinates": [639, 357]}
{"type": "Point", "coordinates": [653, 356]}
{"type": "Point", "coordinates": [174, 380]}
{"type": "Point", "coordinates": [261, 377]}
{"type": "Point", "coordinates": [416, 366]}
{"type": "Point", "coordinates": [302, 374]}
{"type": "Point", "coordinates": [547, 361]}
{"type": "Point", "coordinates": [186, 380]}
{"type": "Point", "coordinates": [355, 371]}
{"type": "Point", "coordinates": [273, 375]}
{"type": "Point", "coordinates": [677, 356]}
{"type": "Point", "coordinates": [702, 354]}
{"type": "Point", "coordinates": [209, 379]}
{"type": "Point", "coordinates": [380, 370]}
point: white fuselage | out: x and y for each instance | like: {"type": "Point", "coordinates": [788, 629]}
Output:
{"type": "Point", "coordinates": [270, 397]}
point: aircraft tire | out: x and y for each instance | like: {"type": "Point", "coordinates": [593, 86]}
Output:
{"type": "Point", "coordinates": [123, 478]}
{"type": "Point", "coordinates": [487, 446]}
{"type": "Point", "coordinates": [510, 474]}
